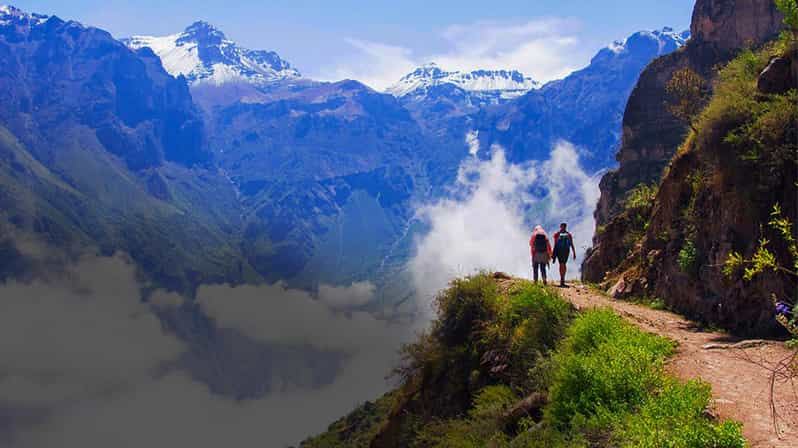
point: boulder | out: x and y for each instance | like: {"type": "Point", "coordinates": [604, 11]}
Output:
{"type": "Point", "coordinates": [776, 77]}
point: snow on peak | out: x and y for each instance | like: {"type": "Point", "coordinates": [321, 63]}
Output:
{"type": "Point", "coordinates": [667, 40]}
{"type": "Point", "coordinates": [509, 83]}
{"type": "Point", "coordinates": [10, 15]}
{"type": "Point", "coordinates": [203, 54]}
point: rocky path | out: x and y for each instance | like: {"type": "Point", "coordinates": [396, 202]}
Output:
{"type": "Point", "coordinates": [739, 371]}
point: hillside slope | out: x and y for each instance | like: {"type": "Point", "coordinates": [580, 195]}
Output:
{"type": "Point", "coordinates": [101, 149]}
{"type": "Point", "coordinates": [510, 364]}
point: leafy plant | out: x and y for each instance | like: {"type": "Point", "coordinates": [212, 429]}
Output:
{"type": "Point", "coordinates": [687, 91]}
{"type": "Point", "coordinates": [641, 197]}
{"type": "Point", "coordinates": [790, 10]}
{"type": "Point", "coordinates": [674, 418]}
{"type": "Point", "coordinates": [765, 260]}
{"type": "Point", "coordinates": [688, 258]}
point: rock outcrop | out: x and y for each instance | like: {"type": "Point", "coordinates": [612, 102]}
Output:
{"type": "Point", "coordinates": [651, 134]}
{"type": "Point", "coordinates": [715, 196]}
{"type": "Point", "coordinates": [720, 28]}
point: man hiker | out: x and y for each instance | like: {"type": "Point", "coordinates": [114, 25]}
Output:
{"type": "Point", "coordinates": [563, 244]}
{"type": "Point", "coordinates": [541, 252]}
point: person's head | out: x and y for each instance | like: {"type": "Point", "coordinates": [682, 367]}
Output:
{"type": "Point", "coordinates": [563, 227]}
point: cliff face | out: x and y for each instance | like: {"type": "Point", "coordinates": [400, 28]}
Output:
{"type": "Point", "coordinates": [733, 24]}
{"type": "Point", "coordinates": [720, 28]}
{"type": "Point", "coordinates": [651, 135]}
{"type": "Point", "coordinates": [714, 196]}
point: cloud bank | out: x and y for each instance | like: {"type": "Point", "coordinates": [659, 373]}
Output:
{"type": "Point", "coordinates": [87, 363]}
{"type": "Point", "coordinates": [486, 221]}
{"type": "Point", "coordinates": [538, 48]}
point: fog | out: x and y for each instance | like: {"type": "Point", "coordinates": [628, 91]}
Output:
{"type": "Point", "coordinates": [486, 221]}
{"type": "Point", "coordinates": [85, 362]}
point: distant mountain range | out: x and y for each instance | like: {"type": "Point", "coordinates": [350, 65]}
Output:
{"type": "Point", "coordinates": [208, 162]}
{"type": "Point", "coordinates": [493, 84]}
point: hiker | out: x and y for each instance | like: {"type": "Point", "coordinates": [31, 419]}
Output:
{"type": "Point", "coordinates": [540, 247]}
{"type": "Point", "coordinates": [563, 244]}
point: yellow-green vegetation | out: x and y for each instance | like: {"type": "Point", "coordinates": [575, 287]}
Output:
{"type": "Point", "coordinates": [356, 429]}
{"type": "Point", "coordinates": [760, 127]}
{"type": "Point", "coordinates": [790, 10]}
{"type": "Point", "coordinates": [636, 212]}
{"type": "Point", "coordinates": [765, 260]}
{"type": "Point", "coordinates": [512, 364]}
{"type": "Point", "coordinates": [687, 90]}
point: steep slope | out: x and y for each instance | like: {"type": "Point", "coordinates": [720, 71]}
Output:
{"type": "Point", "coordinates": [717, 193]}
{"type": "Point", "coordinates": [327, 175]}
{"type": "Point", "coordinates": [650, 132]}
{"type": "Point", "coordinates": [101, 147]}
{"type": "Point", "coordinates": [511, 364]}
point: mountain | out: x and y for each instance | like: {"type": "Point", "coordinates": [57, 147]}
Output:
{"type": "Point", "coordinates": [288, 179]}
{"type": "Point", "coordinates": [495, 85]}
{"type": "Point", "coordinates": [203, 54]}
{"type": "Point", "coordinates": [328, 175]}
{"type": "Point", "coordinates": [687, 196]}
{"type": "Point", "coordinates": [100, 148]}
{"type": "Point", "coordinates": [585, 108]}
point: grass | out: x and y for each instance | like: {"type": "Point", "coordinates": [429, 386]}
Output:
{"type": "Point", "coordinates": [604, 378]}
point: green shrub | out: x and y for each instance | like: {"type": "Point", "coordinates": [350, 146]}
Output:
{"type": "Point", "coordinates": [688, 258]}
{"type": "Point", "coordinates": [790, 10]}
{"type": "Point", "coordinates": [641, 197]}
{"type": "Point", "coordinates": [529, 322]}
{"type": "Point", "coordinates": [605, 368]}
{"type": "Point", "coordinates": [674, 418]}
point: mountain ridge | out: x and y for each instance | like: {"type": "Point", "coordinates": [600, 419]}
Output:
{"type": "Point", "coordinates": [203, 54]}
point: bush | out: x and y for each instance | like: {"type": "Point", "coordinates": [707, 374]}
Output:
{"type": "Point", "coordinates": [529, 323]}
{"type": "Point", "coordinates": [606, 367]}
{"type": "Point", "coordinates": [674, 418]}
{"type": "Point", "coordinates": [688, 258]}
{"type": "Point", "coordinates": [640, 197]}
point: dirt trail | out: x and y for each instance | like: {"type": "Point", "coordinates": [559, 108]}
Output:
{"type": "Point", "coordinates": [737, 370]}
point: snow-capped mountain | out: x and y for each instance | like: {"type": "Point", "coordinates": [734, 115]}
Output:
{"type": "Point", "coordinates": [505, 84]}
{"type": "Point", "coordinates": [203, 54]}
{"type": "Point", "coordinates": [10, 15]}
{"type": "Point", "coordinates": [666, 40]}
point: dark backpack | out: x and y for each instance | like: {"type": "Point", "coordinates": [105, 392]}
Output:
{"type": "Point", "coordinates": [540, 243]}
{"type": "Point", "coordinates": [563, 245]}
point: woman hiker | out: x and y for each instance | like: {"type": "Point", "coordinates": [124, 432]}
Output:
{"type": "Point", "coordinates": [540, 247]}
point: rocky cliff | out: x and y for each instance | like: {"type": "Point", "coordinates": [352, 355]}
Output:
{"type": "Point", "coordinates": [684, 199]}
{"type": "Point", "coordinates": [720, 28]}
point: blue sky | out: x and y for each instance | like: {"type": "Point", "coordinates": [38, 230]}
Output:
{"type": "Point", "coordinates": [378, 41]}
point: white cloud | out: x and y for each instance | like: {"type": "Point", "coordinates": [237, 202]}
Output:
{"type": "Point", "coordinates": [276, 315]}
{"type": "Point", "coordinates": [537, 48]}
{"type": "Point", "coordinates": [376, 64]}
{"type": "Point", "coordinates": [472, 141]}
{"type": "Point", "coordinates": [487, 220]}
{"type": "Point", "coordinates": [344, 297]}
{"type": "Point", "coordinates": [542, 49]}
{"type": "Point", "coordinates": [93, 362]}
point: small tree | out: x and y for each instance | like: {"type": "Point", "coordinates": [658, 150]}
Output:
{"type": "Point", "coordinates": [687, 93]}
{"type": "Point", "coordinates": [790, 10]}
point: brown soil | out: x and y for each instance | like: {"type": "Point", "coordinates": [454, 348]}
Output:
{"type": "Point", "coordinates": [739, 371]}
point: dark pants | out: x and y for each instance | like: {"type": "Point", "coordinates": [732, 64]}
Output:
{"type": "Point", "coordinates": [542, 267]}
